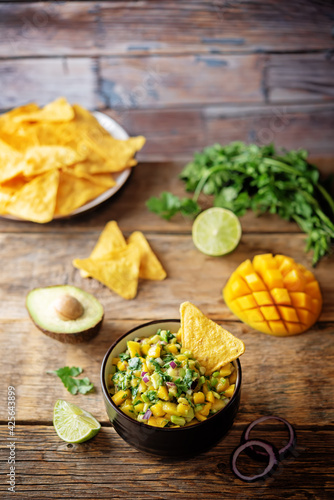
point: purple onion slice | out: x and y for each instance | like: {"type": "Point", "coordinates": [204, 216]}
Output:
{"type": "Point", "coordinates": [172, 364]}
{"type": "Point", "coordinates": [260, 455]}
{"type": "Point", "coordinates": [271, 453]}
{"type": "Point", "coordinates": [148, 414]}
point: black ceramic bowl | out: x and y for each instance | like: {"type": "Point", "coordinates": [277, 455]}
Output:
{"type": "Point", "coordinates": [167, 442]}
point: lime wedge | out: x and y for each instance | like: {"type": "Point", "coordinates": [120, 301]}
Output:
{"type": "Point", "coordinates": [216, 231]}
{"type": "Point", "coordinates": [72, 424]}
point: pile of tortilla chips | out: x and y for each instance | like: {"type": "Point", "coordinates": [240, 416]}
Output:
{"type": "Point", "coordinates": [210, 343]}
{"type": "Point", "coordinates": [56, 159]}
{"type": "Point", "coordinates": [119, 264]}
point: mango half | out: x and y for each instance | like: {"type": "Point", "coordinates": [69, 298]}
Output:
{"type": "Point", "coordinates": [274, 294]}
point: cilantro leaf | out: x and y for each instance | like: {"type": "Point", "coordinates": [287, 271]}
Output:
{"type": "Point", "coordinates": [73, 385]}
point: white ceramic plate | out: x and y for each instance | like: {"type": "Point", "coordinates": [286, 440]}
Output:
{"type": "Point", "coordinates": [120, 178]}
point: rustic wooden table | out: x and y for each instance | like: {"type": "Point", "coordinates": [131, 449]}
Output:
{"type": "Point", "coordinates": [160, 67]}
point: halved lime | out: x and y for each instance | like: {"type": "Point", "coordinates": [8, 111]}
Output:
{"type": "Point", "coordinates": [216, 231]}
{"type": "Point", "coordinates": [73, 424]}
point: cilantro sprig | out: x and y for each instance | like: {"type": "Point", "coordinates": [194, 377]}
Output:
{"type": "Point", "coordinates": [245, 177]}
{"type": "Point", "coordinates": [73, 385]}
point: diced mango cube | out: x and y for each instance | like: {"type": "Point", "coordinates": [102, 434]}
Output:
{"type": "Point", "coordinates": [245, 267]}
{"type": "Point", "coordinates": [120, 396]}
{"type": "Point", "coordinates": [121, 365]}
{"type": "Point", "coordinates": [239, 287]}
{"type": "Point", "coordinates": [281, 296]}
{"type": "Point", "coordinates": [288, 314]}
{"type": "Point", "coordinates": [222, 385]}
{"type": "Point", "coordinates": [306, 317]}
{"type": "Point", "coordinates": [145, 348]}
{"type": "Point", "coordinates": [294, 281]}
{"type": "Point", "coordinates": [233, 377]}
{"type": "Point", "coordinates": [278, 327]}
{"type": "Point", "coordinates": [263, 298]}
{"type": "Point", "coordinates": [255, 283]}
{"type": "Point", "coordinates": [308, 275]}
{"type": "Point", "coordinates": [279, 259]}
{"type": "Point", "coordinates": [210, 397]}
{"type": "Point", "coordinates": [258, 259]}
{"type": "Point", "coordinates": [270, 313]}
{"type": "Point", "coordinates": [200, 417]}
{"type": "Point", "coordinates": [226, 370]}
{"type": "Point", "coordinates": [115, 361]}
{"type": "Point", "coordinates": [154, 351]}
{"type": "Point", "coordinates": [263, 262]}
{"type": "Point", "coordinates": [157, 410]}
{"type": "Point", "coordinates": [172, 348]}
{"type": "Point", "coordinates": [163, 393]}
{"type": "Point", "coordinates": [272, 278]}
{"type": "Point", "coordinates": [183, 409]}
{"type": "Point", "coordinates": [199, 397]}
{"type": "Point", "coordinates": [254, 315]}
{"type": "Point", "coordinates": [286, 264]}
{"type": "Point", "coordinates": [161, 422]}
{"type": "Point", "coordinates": [262, 326]}
{"type": "Point", "coordinates": [229, 392]}
{"type": "Point", "coordinates": [134, 348]}
{"type": "Point", "coordinates": [206, 409]}
{"type": "Point", "coordinates": [246, 302]}
{"type": "Point", "coordinates": [170, 408]}
{"type": "Point", "coordinates": [302, 300]}
{"type": "Point", "coordinates": [312, 288]}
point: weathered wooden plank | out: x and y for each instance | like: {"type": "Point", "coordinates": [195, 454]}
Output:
{"type": "Point", "coordinates": [43, 80]}
{"type": "Point", "coordinates": [38, 260]}
{"type": "Point", "coordinates": [102, 467]}
{"type": "Point", "coordinates": [123, 28]}
{"type": "Point", "coordinates": [180, 80]}
{"type": "Point", "coordinates": [293, 78]}
{"type": "Point", "coordinates": [178, 133]}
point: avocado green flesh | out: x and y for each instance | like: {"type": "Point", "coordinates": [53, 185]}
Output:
{"type": "Point", "coordinates": [40, 305]}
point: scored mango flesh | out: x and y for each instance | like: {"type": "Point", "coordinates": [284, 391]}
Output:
{"type": "Point", "coordinates": [274, 294]}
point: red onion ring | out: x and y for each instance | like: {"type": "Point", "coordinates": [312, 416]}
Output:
{"type": "Point", "coordinates": [272, 453]}
{"type": "Point", "coordinates": [283, 451]}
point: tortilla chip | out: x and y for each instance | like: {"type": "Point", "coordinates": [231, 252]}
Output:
{"type": "Point", "coordinates": [110, 240]}
{"type": "Point", "coordinates": [36, 200]}
{"type": "Point", "coordinates": [120, 272]}
{"type": "Point", "coordinates": [57, 111]}
{"type": "Point", "coordinates": [210, 344]}
{"type": "Point", "coordinates": [150, 267]}
{"type": "Point", "coordinates": [40, 159]}
{"type": "Point", "coordinates": [74, 192]}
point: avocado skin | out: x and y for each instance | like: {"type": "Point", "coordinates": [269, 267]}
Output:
{"type": "Point", "coordinates": [72, 338]}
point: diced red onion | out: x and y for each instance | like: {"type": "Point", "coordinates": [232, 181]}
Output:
{"type": "Point", "coordinates": [143, 373]}
{"type": "Point", "coordinates": [146, 379]}
{"type": "Point", "coordinates": [147, 415]}
{"type": "Point", "coordinates": [260, 455]}
{"type": "Point", "coordinates": [170, 384]}
{"type": "Point", "coordinates": [172, 364]}
{"type": "Point", "coordinates": [271, 451]}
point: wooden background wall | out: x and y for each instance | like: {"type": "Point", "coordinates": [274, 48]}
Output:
{"type": "Point", "coordinates": [218, 71]}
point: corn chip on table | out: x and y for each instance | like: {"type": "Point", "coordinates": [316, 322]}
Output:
{"type": "Point", "coordinates": [184, 74]}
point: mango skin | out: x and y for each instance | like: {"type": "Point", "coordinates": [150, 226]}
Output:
{"type": "Point", "coordinates": [274, 295]}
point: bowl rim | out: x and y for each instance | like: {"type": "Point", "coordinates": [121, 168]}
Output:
{"type": "Point", "coordinates": [142, 424]}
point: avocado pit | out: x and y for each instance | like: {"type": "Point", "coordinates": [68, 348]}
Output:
{"type": "Point", "coordinates": [68, 308]}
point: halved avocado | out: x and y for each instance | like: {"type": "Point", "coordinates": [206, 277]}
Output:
{"type": "Point", "coordinates": [65, 312]}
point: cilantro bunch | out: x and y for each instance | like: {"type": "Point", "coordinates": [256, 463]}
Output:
{"type": "Point", "coordinates": [246, 176]}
